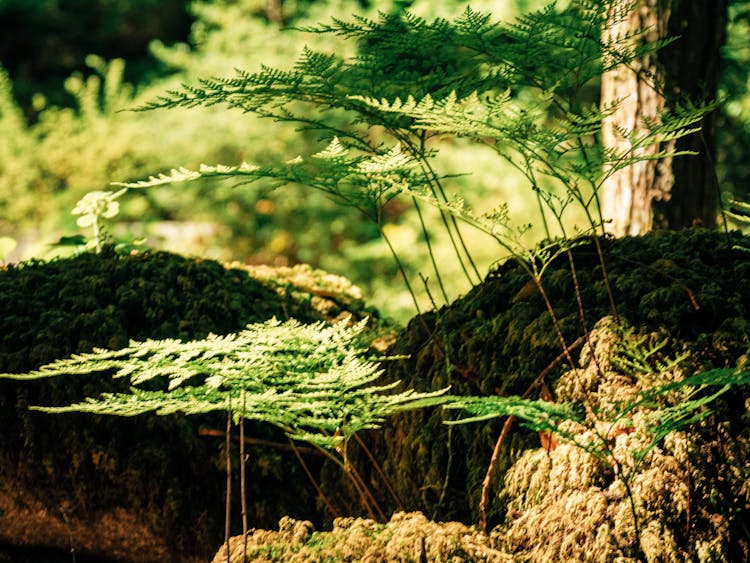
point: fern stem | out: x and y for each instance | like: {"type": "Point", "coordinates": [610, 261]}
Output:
{"type": "Point", "coordinates": [314, 483]}
{"type": "Point", "coordinates": [430, 251]}
{"type": "Point", "coordinates": [636, 524]}
{"type": "Point", "coordinates": [448, 374]}
{"type": "Point", "coordinates": [436, 188]}
{"type": "Point", "coordinates": [452, 221]}
{"type": "Point", "coordinates": [581, 312]}
{"type": "Point", "coordinates": [372, 503]}
{"type": "Point", "coordinates": [485, 497]}
{"type": "Point", "coordinates": [605, 277]}
{"type": "Point", "coordinates": [401, 269]}
{"type": "Point", "coordinates": [365, 496]}
{"type": "Point", "coordinates": [555, 323]}
{"type": "Point", "coordinates": [379, 471]}
{"type": "Point", "coordinates": [243, 483]}
{"type": "Point", "coordinates": [228, 501]}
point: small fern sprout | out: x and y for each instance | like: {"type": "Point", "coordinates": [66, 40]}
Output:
{"type": "Point", "coordinates": [94, 207]}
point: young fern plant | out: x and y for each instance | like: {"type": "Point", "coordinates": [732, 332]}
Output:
{"type": "Point", "coordinates": [312, 381]}
{"type": "Point", "coordinates": [521, 89]}
{"type": "Point", "coordinates": [92, 209]}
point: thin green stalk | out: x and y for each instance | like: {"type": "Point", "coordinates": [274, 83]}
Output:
{"type": "Point", "coordinates": [430, 252]}
{"type": "Point", "coordinates": [634, 512]}
{"type": "Point", "coordinates": [529, 173]}
{"type": "Point", "coordinates": [401, 269]}
{"type": "Point", "coordinates": [228, 501]}
{"type": "Point", "coordinates": [455, 228]}
{"type": "Point", "coordinates": [605, 277]}
{"type": "Point", "coordinates": [243, 487]}
{"type": "Point", "coordinates": [437, 188]}
{"type": "Point", "coordinates": [602, 262]}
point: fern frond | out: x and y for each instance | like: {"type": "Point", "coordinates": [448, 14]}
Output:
{"type": "Point", "coordinates": [177, 175]}
{"type": "Point", "coordinates": [395, 159]}
{"type": "Point", "coordinates": [334, 150]}
{"type": "Point", "coordinates": [535, 414]}
{"type": "Point", "coordinates": [312, 381]}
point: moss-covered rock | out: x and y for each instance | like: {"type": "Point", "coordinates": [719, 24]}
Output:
{"type": "Point", "coordinates": [607, 492]}
{"type": "Point", "coordinates": [165, 473]}
{"type": "Point", "coordinates": [499, 337]}
{"type": "Point", "coordinates": [693, 285]}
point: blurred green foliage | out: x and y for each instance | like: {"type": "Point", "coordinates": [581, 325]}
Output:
{"type": "Point", "coordinates": [733, 166]}
{"type": "Point", "coordinates": [44, 41]}
{"type": "Point", "coordinates": [63, 138]}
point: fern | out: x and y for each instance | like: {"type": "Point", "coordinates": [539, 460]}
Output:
{"type": "Point", "coordinates": [364, 181]}
{"type": "Point", "coordinates": [536, 414]}
{"type": "Point", "coordinates": [517, 88]}
{"type": "Point", "coordinates": [312, 381]}
{"type": "Point", "coordinates": [419, 79]}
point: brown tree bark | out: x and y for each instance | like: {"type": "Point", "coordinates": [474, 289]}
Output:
{"type": "Point", "coordinates": [671, 193]}
{"type": "Point", "coordinates": [274, 12]}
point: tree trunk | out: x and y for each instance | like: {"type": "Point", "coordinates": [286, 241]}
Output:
{"type": "Point", "coordinates": [670, 193]}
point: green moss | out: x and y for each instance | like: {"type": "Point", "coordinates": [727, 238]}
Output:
{"type": "Point", "coordinates": [496, 339]}
{"type": "Point", "coordinates": [499, 337]}
{"type": "Point", "coordinates": [160, 468]}
{"type": "Point", "coordinates": [569, 505]}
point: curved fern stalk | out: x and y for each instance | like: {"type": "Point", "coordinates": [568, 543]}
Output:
{"type": "Point", "coordinates": [485, 496]}
{"type": "Point", "coordinates": [534, 261]}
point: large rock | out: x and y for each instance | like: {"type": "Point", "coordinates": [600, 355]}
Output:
{"type": "Point", "coordinates": [146, 488]}
{"type": "Point", "coordinates": [499, 337]}
{"type": "Point", "coordinates": [405, 537]}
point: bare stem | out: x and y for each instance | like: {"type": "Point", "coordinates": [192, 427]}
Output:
{"type": "Point", "coordinates": [315, 485]}
{"type": "Point", "coordinates": [379, 471]}
{"type": "Point", "coordinates": [228, 509]}
{"type": "Point", "coordinates": [484, 500]}
{"type": "Point", "coordinates": [243, 486]}
{"type": "Point", "coordinates": [555, 323]}
{"type": "Point", "coordinates": [401, 269]}
{"type": "Point", "coordinates": [430, 251]}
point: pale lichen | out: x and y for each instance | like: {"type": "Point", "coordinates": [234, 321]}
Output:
{"type": "Point", "coordinates": [614, 489]}
{"type": "Point", "coordinates": [406, 537]}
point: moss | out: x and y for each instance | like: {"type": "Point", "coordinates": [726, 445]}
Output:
{"type": "Point", "coordinates": [691, 284]}
{"type": "Point", "coordinates": [406, 537]}
{"type": "Point", "coordinates": [162, 469]}
{"type": "Point", "coordinates": [568, 505]}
